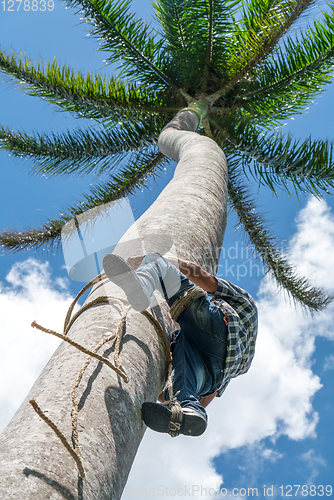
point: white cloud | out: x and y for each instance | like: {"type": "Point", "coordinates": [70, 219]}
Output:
{"type": "Point", "coordinates": [312, 245]}
{"type": "Point", "coordinates": [275, 397]}
{"type": "Point", "coordinates": [28, 294]}
{"type": "Point", "coordinates": [313, 462]}
{"type": "Point", "coordinates": [329, 363]}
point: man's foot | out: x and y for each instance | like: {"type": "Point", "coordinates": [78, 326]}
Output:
{"type": "Point", "coordinates": [122, 274]}
{"type": "Point", "coordinates": [158, 417]}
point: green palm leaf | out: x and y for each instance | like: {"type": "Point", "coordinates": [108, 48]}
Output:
{"type": "Point", "coordinates": [87, 95]}
{"type": "Point", "coordinates": [261, 26]}
{"type": "Point", "coordinates": [275, 159]}
{"type": "Point", "coordinates": [224, 51]}
{"type": "Point", "coordinates": [82, 151]}
{"type": "Point", "coordinates": [285, 275]}
{"type": "Point", "coordinates": [134, 176]}
{"type": "Point", "coordinates": [131, 42]}
{"type": "Point", "coordinates": [195, 32]}
{"type": "Point", "coordinates": [286, 82]}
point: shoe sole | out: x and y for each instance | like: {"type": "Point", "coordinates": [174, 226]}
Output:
{"type": "Point", "coordinates": [193, 425]}
{"type": "Point", "coordinates": [121, 273]}
{"type": "Point", "coordinates": [157, 418]}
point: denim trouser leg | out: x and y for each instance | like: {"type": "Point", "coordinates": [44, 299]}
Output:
{"type": "Point", "coordinates": [200, 348]}
{"type": "Point", "coordinates": [190, 375]}
{"type": "Point", "coordinates": [205, 333]}
{"type": "Point", "coordinates": [155, 269]}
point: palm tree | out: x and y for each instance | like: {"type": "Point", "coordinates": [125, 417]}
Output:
{"type": "Point", "coordinates": [239, 56]}
{"type": "Point", "coordinates": [230, 70]}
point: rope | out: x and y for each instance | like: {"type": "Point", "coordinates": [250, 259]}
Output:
{"type": "Point", "coordinates": [70, 309]}
{"type": "Point", "coordinates": [75, 410]}
{"type": "Point", "coordinates": [170, 381]}
{"type": "Point", "coordinates": [119, 332]}
{"type": "Point", "coordinates": [117, 367]}
{"type": "Point", "coordinates": [119, 371]}
{"type": "Point", "coordinates": [104, 299]}
{"type": "Point", "coordinates": [61, 436]}
{"type": "Point", "coordinates": [177, 308]}
{"type": "Point", "coordinates": [159, 328]}
{"type": "Point", "coordinates": [75, 453]}
{"type": "Point", "coordinates": [176, 418]}
{"type": "Point", "coordinates": [185, 300]}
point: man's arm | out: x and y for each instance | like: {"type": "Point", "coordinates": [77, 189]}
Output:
{"type": "Point", "coordinates": [196, 274]}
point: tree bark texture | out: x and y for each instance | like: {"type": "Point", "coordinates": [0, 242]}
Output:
{"type": "Point", "coordinates": [191, 210]}
{"type": "Point", "coordinates": [34, 465]}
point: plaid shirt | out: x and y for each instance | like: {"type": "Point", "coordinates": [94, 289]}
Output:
{"type": "Point", "coordinates": [241, 313]}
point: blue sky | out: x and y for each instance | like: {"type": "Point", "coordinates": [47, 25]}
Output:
{"type": "Point", "coordinates": [273, 426]}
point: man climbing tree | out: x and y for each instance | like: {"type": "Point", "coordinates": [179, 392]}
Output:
{"type": "Point", "coordinates": [215, 343]}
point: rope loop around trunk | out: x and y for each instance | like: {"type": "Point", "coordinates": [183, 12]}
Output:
{"type": "Point", "coordinates": [185, 300]}
{"type": "Point", "coordinates": [177, 308]}
{"type": "Point", "coordinates": [92, 353]}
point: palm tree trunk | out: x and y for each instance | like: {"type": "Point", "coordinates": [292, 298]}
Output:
{"type": "Point", "coordinates": [34, 464]}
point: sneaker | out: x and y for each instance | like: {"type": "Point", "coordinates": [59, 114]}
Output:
{"type": "Point", "coordinates": [158, 418]}
{"type": "Point", "coordinates": [121, 273]}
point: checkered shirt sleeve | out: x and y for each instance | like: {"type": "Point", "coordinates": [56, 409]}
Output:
{"type": "Point", "coordinates": [242, 329]}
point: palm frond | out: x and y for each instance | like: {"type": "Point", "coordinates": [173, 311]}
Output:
{"type": "Point", "coordinates": [87, 95]}
{"type": "Point", "coordinates": [275, 159]}
{"type": "Point", "coordinates": [261, 26]}
{"type": "Point", "coordinates": [178, 29]}
{"type": "Point", "coordinates": [82, 151]}
{"type": "Point", "coordinates": [195, 31]}
{"type": "Point", "coordinates": [126, 182]}
{"type": "Point", "coordinates": [309, 297]}
{"type": "Point", "coordinates": [131, 42]}
{"type": "Point", "coordinates": [286, 82]}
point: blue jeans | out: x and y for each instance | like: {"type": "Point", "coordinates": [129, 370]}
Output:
{"type": "Point", "coordinates": [200, 346]}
